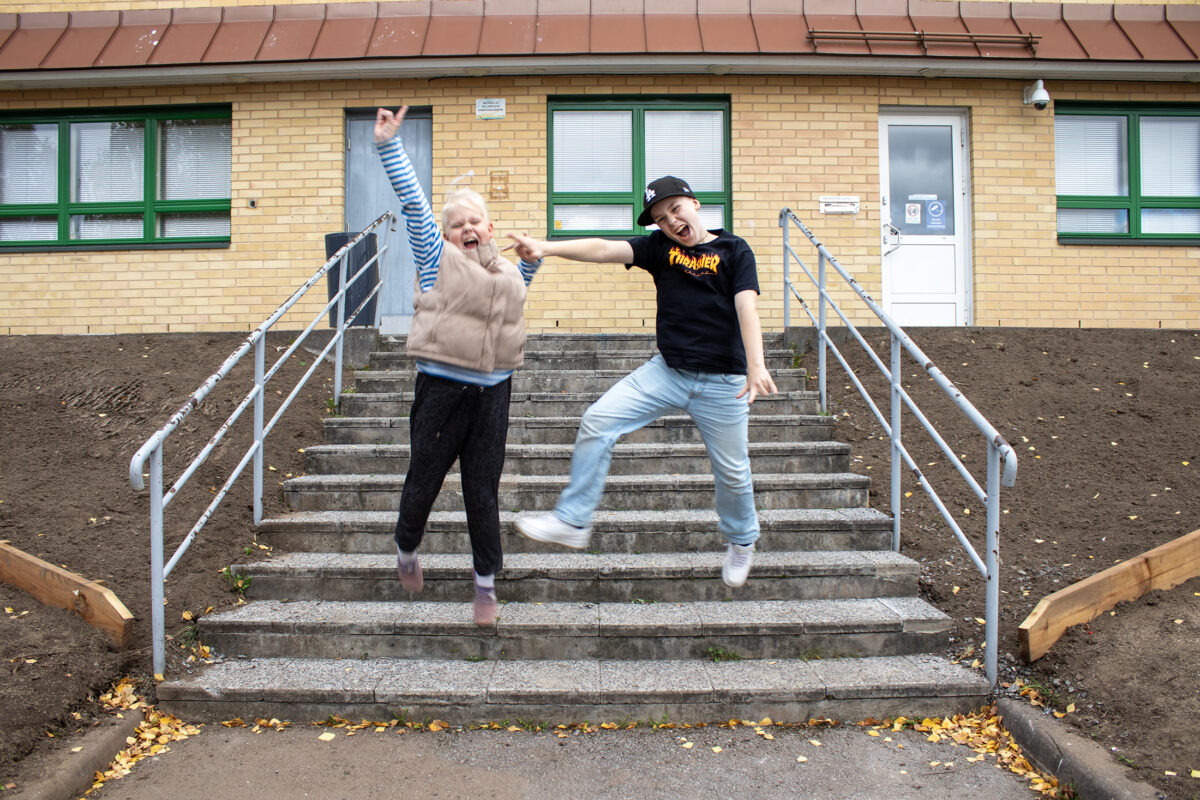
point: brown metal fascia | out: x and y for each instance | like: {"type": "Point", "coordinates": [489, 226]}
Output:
{"type": "Point", "coordinates": [1182, 11]}
{"type": "Point", "coordinates": [1142, 22]}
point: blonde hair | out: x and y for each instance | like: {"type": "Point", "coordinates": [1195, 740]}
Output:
{"type": "Point", "coordinates": [464, 197]}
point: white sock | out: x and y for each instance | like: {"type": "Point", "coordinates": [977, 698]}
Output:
{"type": "Point", "coordinates": [485, 581]}
{"type": "Point", "coordinates": [408, 556]}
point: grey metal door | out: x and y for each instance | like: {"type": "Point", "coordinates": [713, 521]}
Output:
{"type": "Point", "coordinates": [369, 194]}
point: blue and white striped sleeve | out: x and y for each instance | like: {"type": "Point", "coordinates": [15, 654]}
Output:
{"type": "Point", "coordinates": [422, 228]}
{"type": "Point", "coordinates": [528, 270]}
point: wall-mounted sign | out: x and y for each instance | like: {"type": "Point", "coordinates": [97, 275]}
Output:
{"type": "Point", "coordinates": [489, 108]}
{"type": "Point", "coordinates": [838, 204]}
{"type": "Point", "coordinates": [912, 213]}
{"type": "Point", "coordinates": [936, 215]}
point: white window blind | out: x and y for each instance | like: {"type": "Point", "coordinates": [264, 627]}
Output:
{"type": "Point", "coordinates": [195, 159]}
{"type": "Point", "coordinates": [1093, 220]}
{"type": "Point", "coordinates": [1090, 155]}
{"type": "Point", "coordinates": [107, 161]}
{"type": "Point", "coordinates": [592, 218]}
{"type": "Point", "coordinates": [25, 229]}
{"type": "Point", "coordinates": [1183, 221]}
{"type": "Point", "coordinates": [688, 145]}
{"type": "Point", "coordinates": [28, 164]}
{"type": "Point", "coordinates": [1170, 156]}
{"type": "Point", "coordinates": [106, 226]}
{"type": "Point", "coordinates": [213, 223]}
{"type": "Point", "coordinates": [593, 151]}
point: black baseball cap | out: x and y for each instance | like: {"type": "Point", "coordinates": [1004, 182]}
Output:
{"type": "Point", "coordinates": [666, 186]}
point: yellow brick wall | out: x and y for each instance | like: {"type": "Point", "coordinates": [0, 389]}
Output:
{"type": "Point", "coordinates": [793, 140]}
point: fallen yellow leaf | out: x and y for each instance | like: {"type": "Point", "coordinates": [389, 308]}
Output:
{"type": "Point", "coordinates": [801, 759]}
{"type": "Point", "coordinates": [716, 749]}
{"type": "Point", "coordinates": [327, 736]}
{"type": "Point", "coordinates": [1070, 708]}
{"type": "Point", "coordinates": [814, 742]}
{"type": "Point", "coordinates": [687, 745]}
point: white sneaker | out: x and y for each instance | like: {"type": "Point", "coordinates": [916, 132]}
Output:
{"type": "Point", "coordinates": [737, 565]}
{"type": "Point", "coordinates": [549, 528]}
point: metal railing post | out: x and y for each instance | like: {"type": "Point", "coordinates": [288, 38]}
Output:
{"type": "Point", "coordinates": [821, 381]}
{"type": "Point", "coordinates": [157, 589]}
{"type": "Point", "coordinates": [992, 558]}
{"type": "Point", "coordinates": [897, 407]}
{"type": "Point", "coordinates": [260, 348]}
{"type": "Point", "coordinates": [787, 280]}
{"type": "Point", "coordinates": [343, 266]}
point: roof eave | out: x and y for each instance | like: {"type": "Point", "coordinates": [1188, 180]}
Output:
{"type": "Point", "coordinates": [450, 67]}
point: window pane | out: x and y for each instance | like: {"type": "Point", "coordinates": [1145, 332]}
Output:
{"type": "Point", "coordinates": [592, 218]}
{"type": "Point", "coordinates": [195, 159]}
{"type": "Point", "coordinates": [921, 178]}
{"type": "Point", "coordinates": [28, 163]}
{"type": "Point", "coordinates": [1171, 220]}
{"type": "Point", "coordinates": [688, 145]}
{"type": "Point", "coordinates": [1093, 220]}
{"type": "Point", "coordinates": [1171, 156]}
{"type": "Point", "coordinates": [1090, 155]}
{"type": "Point", "coordinates": [106, 226]}
{"type": "Point", "coordinates": [25, 229]}
{"type": "Point", "coordinates": [593, 151]}
{"type": "Point", "coordinates": [107, 161]}
{"type": "Point", "coordinates": [215, 223]}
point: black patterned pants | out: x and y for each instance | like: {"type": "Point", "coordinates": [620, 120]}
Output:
{"type": "Point", "coordinates": [451, 420]}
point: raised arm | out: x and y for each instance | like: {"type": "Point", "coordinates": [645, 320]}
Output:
{"type": "Point", "coordinates": [758, 379]}
{"type": "Point", "coordinates": [419, 221]}
{"type": "Point", "coordinates": [597, 251]}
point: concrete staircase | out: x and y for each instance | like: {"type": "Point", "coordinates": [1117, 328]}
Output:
{"type": "Point", "coordinates": [640, 628]}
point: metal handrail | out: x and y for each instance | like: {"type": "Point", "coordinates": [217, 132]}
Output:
{"type": "Point", "coordinates": [152, 450]}
{"type": "Point", "coordinates": [1001, 458]}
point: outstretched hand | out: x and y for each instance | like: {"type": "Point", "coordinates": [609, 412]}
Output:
{"type": "Point", "coordinates": [529, 250]}
{"type": "Point", "coordinates": [387, 123]}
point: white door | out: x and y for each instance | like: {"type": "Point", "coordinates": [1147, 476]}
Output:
{"type": "Point", "coordinates": [369, 194]}
{"type": "Point", "coordinates": [925, 236]}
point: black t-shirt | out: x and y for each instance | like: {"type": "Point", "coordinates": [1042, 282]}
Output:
{"type": "Point", "coordinates": [697, 322]}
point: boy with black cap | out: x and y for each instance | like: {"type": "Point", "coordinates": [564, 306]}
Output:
{"type": "Point", "coordinates": [710, 364]}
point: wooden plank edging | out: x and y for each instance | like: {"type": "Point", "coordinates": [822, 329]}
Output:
{"type": "Point", "coordinates": [55, 586]}
{"type": "Point", "coordinates": [1164, 567]}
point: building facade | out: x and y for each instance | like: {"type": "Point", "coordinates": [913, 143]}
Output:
{"type": "Point", "coordinates": [176, 166]}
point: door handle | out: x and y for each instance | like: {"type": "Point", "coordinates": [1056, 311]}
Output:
{"type": "Point", "coordinates": [891, 236]}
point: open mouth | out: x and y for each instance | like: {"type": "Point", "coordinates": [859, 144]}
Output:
{"type": "Point", "coordinates": [470, 242]}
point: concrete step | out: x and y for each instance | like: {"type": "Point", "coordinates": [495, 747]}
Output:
{"type": "Point", "coordinates": [564, 691]}
{"type": "Point", "coordinates": [555, 631]}
{"type": "Point", "coordinates": [624, 360]}
{"type": "Point", "coordinates": [551, 459]}
{"type": "Point", "coordinates": [586, 577]}
{"type": "Point", "coordinates": [612, 531]}
{"type": "Point", "coordinates": [556, 404]}
{"type": "Point", "coordinates": [576, 381]}
{"type": "Point", "coordinates": [625, 492]}
{"type": "Point", "coordinates": [764, 427]}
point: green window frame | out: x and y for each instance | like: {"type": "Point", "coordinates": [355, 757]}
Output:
{"type": "Point", "coordinates": [601, 153]}
{"type": "Point", "coordinates": [116, 179]}
{"type": "Point", "coordinates": [1127, 173]}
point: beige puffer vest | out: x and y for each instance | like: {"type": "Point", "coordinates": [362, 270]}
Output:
{"type": "Point", "coordinates": [473, 317]}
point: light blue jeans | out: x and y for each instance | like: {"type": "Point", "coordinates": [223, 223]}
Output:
{"type": "Point", "coordinates": [649, 392]}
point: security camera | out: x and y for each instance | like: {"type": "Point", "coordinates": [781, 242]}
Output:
{"type": "Point", "coordinates": [1036, 94]}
